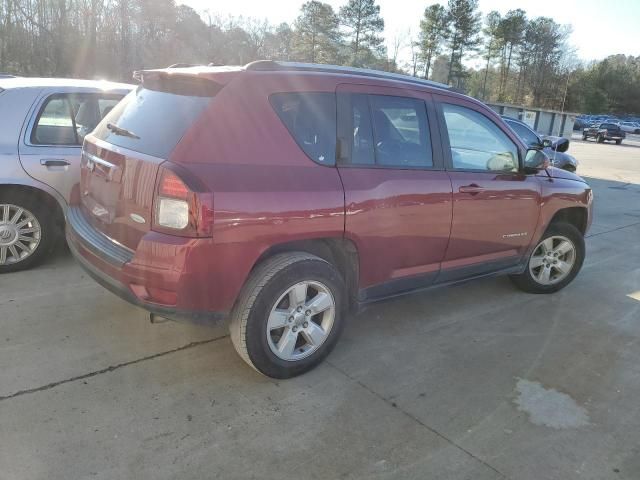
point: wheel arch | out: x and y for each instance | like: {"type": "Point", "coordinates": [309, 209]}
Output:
{"type": "Point", "coordinates": [50, 198]}
{"type": "Point", "coordinates": [340, 252]}
{"type": "Point", "coordinates": [576, 216]}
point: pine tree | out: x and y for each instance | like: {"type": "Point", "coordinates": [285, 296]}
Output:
{"type": "Point", "coordinates": [433, 31]}
{"type": "Point", "coordinates": [492, 43]}
{"type": "Point", "coordinates": [511, 30]}
{"type": "Point", "coordinates": [363, 21]}
{"type": "Point", "coordinates": [317, 34]}
{"type": "Point", "coordinates": [464, 27]}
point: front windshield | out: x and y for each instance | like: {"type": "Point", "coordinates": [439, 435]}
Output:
{"type": "Point", "coordinates": [529, 137]}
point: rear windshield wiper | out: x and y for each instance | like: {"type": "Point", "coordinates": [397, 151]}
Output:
{"type": "Point", "coordinates": [121, 131]}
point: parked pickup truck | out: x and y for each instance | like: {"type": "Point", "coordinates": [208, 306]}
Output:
{"type": "Point", "coordinates": [604, 131]}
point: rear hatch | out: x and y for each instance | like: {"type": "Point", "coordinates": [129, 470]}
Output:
{"type": "Point", "coordinates": [614, 130]}
{"type": "Point", "coordinates": [122, 157]}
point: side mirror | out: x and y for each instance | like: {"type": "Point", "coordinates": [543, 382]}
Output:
{"type": "Point", "coordinates": [536, 160]}
{"type": "Point", "coordinates": [561, 145]}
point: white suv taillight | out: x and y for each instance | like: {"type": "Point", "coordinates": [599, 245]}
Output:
{"type": "Point", "coordinates": [179, 210]}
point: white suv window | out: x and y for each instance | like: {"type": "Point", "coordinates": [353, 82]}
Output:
{"type": "Point", "coordinates": [65, 118]}
{"type": "Point", "coordinates": [477, 143]}
{"type": "Point", "coordinates": [55, 125]}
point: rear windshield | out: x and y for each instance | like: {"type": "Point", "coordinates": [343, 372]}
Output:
{"type": "Point", "coordinates": [156, 121]}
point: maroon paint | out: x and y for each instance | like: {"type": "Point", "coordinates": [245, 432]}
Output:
{"type": "Point", "coordinates": [267, 192]}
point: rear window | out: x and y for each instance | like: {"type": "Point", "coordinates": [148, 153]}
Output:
{"type": "Point", "coordinates": [311, 120]}
{"type": "Point", "coordinates": [156, 121]}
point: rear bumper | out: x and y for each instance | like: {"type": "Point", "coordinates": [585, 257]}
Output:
{"type": "Point", "coordinates": [117, 269]}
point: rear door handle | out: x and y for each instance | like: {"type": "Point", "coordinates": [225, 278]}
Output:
{"type": "Point", "coordinates": [473, 189]}
{"type": "Point", "coordinates": [54, 162]}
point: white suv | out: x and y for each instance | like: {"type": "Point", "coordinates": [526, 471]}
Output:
{"type": "Point", "coordinates": [43, 122]}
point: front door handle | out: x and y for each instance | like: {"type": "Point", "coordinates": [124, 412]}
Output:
{"type": "Point", "coordinates": [54, 162]}
{"type": "Point", "coordinates": [473, 189]}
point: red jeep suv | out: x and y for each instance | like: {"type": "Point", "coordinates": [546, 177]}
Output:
{"type": "Point", "coordinates": [280, 196]}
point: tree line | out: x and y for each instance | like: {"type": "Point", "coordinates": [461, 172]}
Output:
{"type": "Point", "coordinates": [516, 59]}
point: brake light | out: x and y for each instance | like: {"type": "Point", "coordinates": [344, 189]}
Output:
{"type": "Point", "coordinates": [179, 210]}
{"type": "Point", "coordinates": [172, 186]}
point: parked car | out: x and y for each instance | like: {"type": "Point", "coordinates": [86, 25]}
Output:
{"type": "Point", "coordinates": [554, 147]}
{"type": "Point", "coordinates": [580, 123]}
{"type": "Point", "coordinates": [630, 127]}
{"type": "Point", "coordinates": [42, 124]}
{"type": "Point", "coordinates": [604, 132]}
{"type": "Point", "coordinates": [281, 196]}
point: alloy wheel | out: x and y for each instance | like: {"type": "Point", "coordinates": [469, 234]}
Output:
{"type": "Point", "coordinates": [301, 320]}
{"type": "Point", "coordinates": [552, 260]}
{"type": "Point", "coordinates": [20, 234]}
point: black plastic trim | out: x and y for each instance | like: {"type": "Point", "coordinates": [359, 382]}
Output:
{"type": "Point", "coordinates": [478, 269]}
{"type": "Point", "coordinates": [419, 283]}
{"type": "Point", "coordinates": [97, 242]}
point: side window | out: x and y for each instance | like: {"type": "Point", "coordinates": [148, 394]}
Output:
{"type": "Point", "coordinates": [384, 130]}
{"type": "Point", "coordinates": [400, 131]}
{"type": "Point", "coordinates": [54, 125]}
{"type": "Point", "coordinates": [105, 105]}
{"type": "Point", "coordinates": [477, 143]}
{"type": "Point", "coordinates": [66, 119]}
{"type": "Point", "coordinates": [90, 109]}
{"type": "Point", "coordinates": [311, 120]}
{"type": "Point", "coordinates": [362, 151]}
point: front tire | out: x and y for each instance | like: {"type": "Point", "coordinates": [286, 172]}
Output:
{"type": "Point", "coordinates": [27, 231]}
{"type": "Point", "coordinates": [618, 142]}
{"type": "Point", "coordinates": [600, 139]}
{"type": "Point", "coordinates": [289, 314]}
{"type": "Point", "coordinates": [554, 262]}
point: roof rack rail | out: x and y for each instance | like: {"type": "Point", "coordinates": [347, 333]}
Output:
{"type": "Point", "coordinates": [276, 66]}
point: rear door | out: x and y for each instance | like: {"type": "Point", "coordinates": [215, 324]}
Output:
{"type": "Point", "coordinates": [122, 157]}
{"type": "Point", "coordinates": [495, 206]}
{"type": "Point", "coordinates": [397, 194]}
{"type": "Point", "coordinates": [50, 149]}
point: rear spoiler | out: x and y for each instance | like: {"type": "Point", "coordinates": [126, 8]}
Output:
{"type": "Point", "coordinates": [177, 83]}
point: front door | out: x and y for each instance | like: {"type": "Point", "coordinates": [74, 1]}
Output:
{"type": "Point", "coordinates": [495, 206]}
{"type": "Point", "coordinates": [397, 194]}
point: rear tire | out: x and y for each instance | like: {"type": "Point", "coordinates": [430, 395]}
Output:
{"type": "Point", "coordinates": [554, 262]}
{"type": "Point", "coordinates": [289, 315]}
{"type": "Point", "coordinates": [27, 231]}
{"type": "Point", "coordinates": [618, 142]}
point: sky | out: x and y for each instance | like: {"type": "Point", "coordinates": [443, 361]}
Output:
{"type": "Point", "coordinates": [600, 28]}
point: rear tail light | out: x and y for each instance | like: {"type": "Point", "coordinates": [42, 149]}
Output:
{"type": "Point", "coordinates": [179, 210]}
{"type": "Point", "coordinates": [173, 213]}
